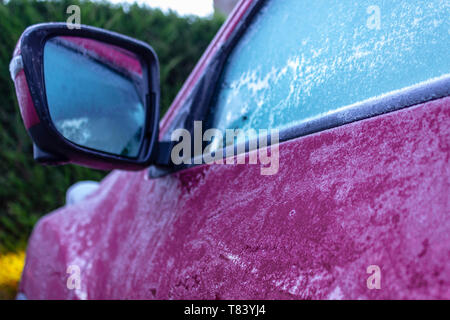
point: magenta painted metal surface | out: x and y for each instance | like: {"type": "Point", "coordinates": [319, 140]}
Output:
{"type": "Point", "coordinates": [374, 192]}
{"type": "Point", "coordinates": [26, 106]}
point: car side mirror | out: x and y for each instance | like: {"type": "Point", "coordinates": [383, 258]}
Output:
{"type": "Point", "coordinates": [88, 96]}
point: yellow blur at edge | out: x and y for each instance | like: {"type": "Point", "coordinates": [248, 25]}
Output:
{"type": "Point", "coordinates": [11, 265]}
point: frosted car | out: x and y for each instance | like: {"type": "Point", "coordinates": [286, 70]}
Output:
{"type": "Point", "coordinates": [356, 98]}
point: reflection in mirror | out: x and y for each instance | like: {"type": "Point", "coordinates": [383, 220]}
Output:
{"type": "Point", "coordinates": [95, 94]}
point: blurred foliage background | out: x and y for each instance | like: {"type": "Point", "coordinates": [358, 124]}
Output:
{"type": "Point", "coordinates": [28, 190]}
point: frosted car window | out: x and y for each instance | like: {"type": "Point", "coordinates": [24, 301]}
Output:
{"type": "Point", "coordinates": [301, 59]}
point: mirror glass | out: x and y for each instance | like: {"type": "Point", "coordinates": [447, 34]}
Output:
{"type": "Point", "coordinates": [95, 94]}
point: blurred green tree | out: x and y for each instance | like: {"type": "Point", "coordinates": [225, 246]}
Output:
{"type": "Point", "coordinates": [28, 190]}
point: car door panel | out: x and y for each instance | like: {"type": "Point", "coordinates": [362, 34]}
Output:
{"type": "Point", "coordinates": [373, 192]}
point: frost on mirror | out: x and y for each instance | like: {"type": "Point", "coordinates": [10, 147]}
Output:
{"type": "Point", "coordinates": [302, 59]}
{"type": "Point", "coordinates": [95, 94]}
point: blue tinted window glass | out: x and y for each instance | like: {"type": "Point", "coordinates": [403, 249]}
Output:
{"type": "Point", "coordinates": [302, 59]}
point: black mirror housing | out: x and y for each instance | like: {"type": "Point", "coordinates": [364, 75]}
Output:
{"type": "Point", "coordinates": [52, 144]}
